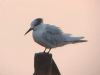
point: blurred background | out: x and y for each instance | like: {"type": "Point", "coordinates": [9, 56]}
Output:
{"type": "Point", "coordinates": [78, 17]}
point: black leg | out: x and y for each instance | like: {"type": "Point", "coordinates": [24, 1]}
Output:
{"type": "Point", "coordinates": [49, 50]}
{"type": "Point", "coordinates": [45, 50]}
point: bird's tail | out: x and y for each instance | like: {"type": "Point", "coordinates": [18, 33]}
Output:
{"type": "Point", "coordinates": [78, 41]}
{"type": "Point", "coordinates": [73, 39]}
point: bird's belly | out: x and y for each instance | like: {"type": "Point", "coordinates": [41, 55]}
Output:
{"type": "Point", "coordinates": [40, 40]}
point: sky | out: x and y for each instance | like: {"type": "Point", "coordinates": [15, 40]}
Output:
{"type": "Point", "coordinates": [77, 17]}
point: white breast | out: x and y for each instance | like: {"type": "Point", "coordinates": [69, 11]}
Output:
{"type": "Point", "coordinates": [37, 35]}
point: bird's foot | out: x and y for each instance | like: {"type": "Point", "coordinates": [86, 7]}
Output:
{"type": "Point", "coordinates": [44, 52]}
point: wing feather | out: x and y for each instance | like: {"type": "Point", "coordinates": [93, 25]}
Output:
{"type": "Point", "coordinates": [53, 35]}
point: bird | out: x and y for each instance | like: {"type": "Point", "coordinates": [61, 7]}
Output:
{"type": "Point", "coordinates": [51, 36]}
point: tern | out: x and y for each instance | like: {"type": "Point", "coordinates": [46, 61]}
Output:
{"type": "Point", "coordinates": [50, 36]}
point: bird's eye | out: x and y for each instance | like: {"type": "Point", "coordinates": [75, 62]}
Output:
{"type": "Point", "coordinates": [35, 24]}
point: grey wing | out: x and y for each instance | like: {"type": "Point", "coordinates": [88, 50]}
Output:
{"type": "Point", "coordinates": [53, 29]}
{"type": "Point", "coordinates": [53, 35]}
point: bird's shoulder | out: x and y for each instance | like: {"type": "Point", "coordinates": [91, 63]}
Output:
{"type": "Point", "coordinates": [51, 29]}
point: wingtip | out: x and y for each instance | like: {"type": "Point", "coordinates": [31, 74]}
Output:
{"type": "Point", "coordinates": [83, 40]}
{"type": "Point", "coordinates": [79, 41]}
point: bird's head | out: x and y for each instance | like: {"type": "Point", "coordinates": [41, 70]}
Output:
{"type": "Point", "coordinates": [34, 24]}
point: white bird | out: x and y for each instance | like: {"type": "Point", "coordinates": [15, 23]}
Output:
{"type": "Point", "coordinates": [50, 36]}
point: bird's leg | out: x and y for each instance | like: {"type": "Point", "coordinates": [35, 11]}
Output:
{"type": "Point", "coordinates": [45, 50]}
{"type": "Point", "coordinates": [49, 50]}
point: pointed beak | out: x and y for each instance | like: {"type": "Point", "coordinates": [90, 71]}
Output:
{"type": "Point", "coordinates": [28, 31]}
